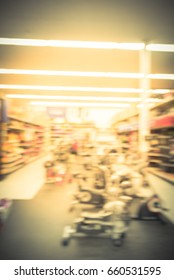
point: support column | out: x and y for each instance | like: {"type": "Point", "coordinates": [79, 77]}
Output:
{"type": "Point", "coordinates": [145, 68]}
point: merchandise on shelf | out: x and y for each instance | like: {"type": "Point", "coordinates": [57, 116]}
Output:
{"type": "Point", "coordinates": [128, 135]}
{"type": "Point", "coordinates": [22, 143]}
{"type": "Point", "coordinates": [161, 137]}
{"type": "Point", "coordinates": [161, 140]}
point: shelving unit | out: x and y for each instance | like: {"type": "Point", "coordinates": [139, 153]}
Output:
{"type": "Point", "coordinates": [161, 140]}
{"type": "Point", "coordinates": [161, 152]}
{"type": "Point", "coordinates": [58, 131]}
{"type": "Point", "coordinates": [160, 173]}
{"type": "Point", "coordinates": [67, 130]}
{"type": "Point", "coordinates": [21, 143]}
{"type": "Point", "coordinates": [126, 126]}
{"type": "Point", "coordinates": [161, 137]}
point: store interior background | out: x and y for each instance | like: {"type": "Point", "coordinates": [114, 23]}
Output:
{"type": "Point", "coordinates": [91, 21]}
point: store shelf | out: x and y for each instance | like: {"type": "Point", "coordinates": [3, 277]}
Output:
{"type": "Point", "coordinates": [162, 137]}
{"type": "Point", "coordinates": [20, 138]}
{"type": "Point", "coordinates": [163, 175]}
{"type": "Point", "coordinates": [7, 160]}
{"type": "Point", "coordinates": [16, 128]}
{"type": "Point", "coordinates": [7, 169]}
{"type": "Point", "coordinates": [23, 121]}
{"type": "Point", "coordinates": [164, 147]}
{"type": "Point", "coordinates": [163, 104]}
{"type": "Point", "coordinates": [163, 185]}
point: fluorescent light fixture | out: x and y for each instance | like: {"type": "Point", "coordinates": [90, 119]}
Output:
{"type": "Point", "coordinates": [84, 74]}
{"type": "Point", "coordinates": [73, 98]}
{"type": "Point", "coordinates": [71, 44]}
{"type": "Point", "coordinates": [86, 44]}
{"type": "Point", "coordinates": [82, 89]}
{"type": "Point", "coordinates": [67, 88]}
{"type": "Point", "coordinates": [79, 98]}
{"type": "Point", "coordinates": [71, 73]}
{"type": "Point", "coordinates": [160, 47]}
{"type": "Point", "coordinates": [153, 100]}
{"type": "Point", "coordinates": [160, 91]}
{"type": "Point", "coordinates": [161, 76]}
{"type": "Point", "coordinates": [131, 46]}
{"type": "Point", "coordinates": [80, 104]}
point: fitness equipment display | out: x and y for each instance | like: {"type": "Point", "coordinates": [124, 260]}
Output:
{"type": "Point", "coordinates": [92, 188]}
{"type": "Point", "coordinates": [109, 216]}
{"type": "Point", "coordinates": [55, 172]}
{"type": "Point", "coordinates": [151, 209]}
{"type": "Point", "coordinates": [110, 193]}
{"type": "Point", "coordinates": [88, 197]}
{"type": "Point", "coordinates": [110, 222]}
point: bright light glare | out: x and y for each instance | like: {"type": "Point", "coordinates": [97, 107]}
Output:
{"type": "Point", "coordinates": [66, 88]}
{"type": "Point", "coordinates": [102, 117]}
{"type": "Point", "coordinates": [85, 74]}
{"type": "Point", "coordinates": [71, 73]}
{"type": "Point", "coordinates": [160, 91]}
{"type": "Point", "coordinates": [160, 47]}
{"type": "Point", "coordinates": [86, 44]}
{"type": "Point", "coordinates": [79, 98]}
{"type": "Point", "coordinates": [80, 104]}
{"type": "Point", "coordinates": [153, 100]}
{"type": "Point", "coordinates": [82, 89]}
{"type": "Point", "coordinates": [161, 76]}
{"type": "Point", "coordinates": [71, 44]}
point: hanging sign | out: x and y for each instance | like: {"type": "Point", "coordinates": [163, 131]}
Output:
{"type": "Point", "coordinates": [56, 112]}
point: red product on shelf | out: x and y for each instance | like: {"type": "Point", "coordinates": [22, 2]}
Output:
{"type": "Point", "coordinates": [164, 121]}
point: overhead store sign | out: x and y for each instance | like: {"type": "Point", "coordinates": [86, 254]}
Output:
{"type": "Point", "coordinates": [128, 127]}
{"type": "Point", "coordinates": [56, 112]}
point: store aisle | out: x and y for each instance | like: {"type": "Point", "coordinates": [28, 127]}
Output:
{"type": "Point", "coordinates": [34, 228]}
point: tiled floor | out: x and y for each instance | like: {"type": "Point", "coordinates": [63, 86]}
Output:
{"type": "Point", "coordinates": [39, 214]}
{"type": "Point", "coordinates": [34, 231]}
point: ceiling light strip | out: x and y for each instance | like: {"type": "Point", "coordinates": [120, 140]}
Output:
{"type": "Point", "coordinates": [71, 73]}
{"type": "Point", "coordinates": [80, 104]}
{"type": "Point", "coordinates": [161, 76]}
{"type": "Point", "coordinates": [86, 44]}
{"type": "Point", "coordinates": [160, 47]}
{"type": "Point", "coordinates": [84, 74]}
{"type": "Point", "coordinates": [160, 91]}
{"type": "Point", "coordinates": [76, 98]}
{"type": "Point", "coordinates": [82, 89]}
{"type": "Point", "coordinates": [79, 98]}
{"type": "Point", "coordinates": [71, 44]}
{"type": "Point", "coordinates": [67, 88]}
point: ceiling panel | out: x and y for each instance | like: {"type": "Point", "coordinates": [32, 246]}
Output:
{"type": "Point", "coordinates": [68, 81]}
{"type": "Point", "coordinates": [68, 59]}
{"type": "Point", "coordinates": [114, 21]}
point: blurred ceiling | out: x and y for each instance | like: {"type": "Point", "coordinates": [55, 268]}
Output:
{"type": "Point", "coordinates": [92, 20]}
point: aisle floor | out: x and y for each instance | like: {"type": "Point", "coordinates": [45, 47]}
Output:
{"type": "Point", "coordinates": [34, 228]}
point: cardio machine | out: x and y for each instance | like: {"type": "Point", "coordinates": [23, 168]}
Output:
{"type": "Point", "coordinates": [110, 222]}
